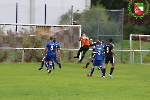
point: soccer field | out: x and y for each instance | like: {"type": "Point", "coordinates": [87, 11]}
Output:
{"type": "Point", "coordinates": [23, 81]}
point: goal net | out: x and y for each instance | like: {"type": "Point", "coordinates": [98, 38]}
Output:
{"type": "Point", "coordinates": [139, 49]}
{"type": "Point", "coordinates": [25, 42]}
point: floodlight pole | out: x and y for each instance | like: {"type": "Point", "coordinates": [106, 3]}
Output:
{"type": "Point", "coordinates": [16, 15]}
{"type": "Point", "coordinates": [45, 15]}
{"type": "Point", "coordinates": [71, 17]}
{"type": "Point", "coordinates": [98, 24]}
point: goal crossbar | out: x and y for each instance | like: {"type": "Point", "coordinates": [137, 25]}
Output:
{"type": "Point", "coordinates": [48, 25]}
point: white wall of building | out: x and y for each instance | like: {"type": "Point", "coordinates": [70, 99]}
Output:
{"type": "Point", "coordinates": [33, 11]}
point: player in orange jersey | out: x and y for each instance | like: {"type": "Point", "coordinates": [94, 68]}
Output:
{"type": "Point", "coordinates": [85, 46]}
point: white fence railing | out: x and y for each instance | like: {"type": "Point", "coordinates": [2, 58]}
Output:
{"type": "Point", "coordinates": [132, 52]}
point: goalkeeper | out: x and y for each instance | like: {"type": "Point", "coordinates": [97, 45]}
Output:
{"type": "Point", "coordinates": [85, 46]}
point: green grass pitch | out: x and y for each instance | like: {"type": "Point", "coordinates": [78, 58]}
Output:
{"type": "Point", "coordinates": [23, 81]}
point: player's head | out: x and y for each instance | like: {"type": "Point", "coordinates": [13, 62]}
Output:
{"type": "Point", "coordinates": [54, 39]}
{"type": "Point", "coordinates": [51, 38]}
{"type": "Point", "coordinates": [110, 40]}
{"type": "Point", "coordinates": [98, 42]}
{"type": "Point", "coordinates": [84, 36]}
{"type": "Point", "coordinates": [102, 41]}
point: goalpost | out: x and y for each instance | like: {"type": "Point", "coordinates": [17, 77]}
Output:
{"type": "Point", "coordinates": [28, 41]}
{"type": "Point", "coordinates": [139, 49]}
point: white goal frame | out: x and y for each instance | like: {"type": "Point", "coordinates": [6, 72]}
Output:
{"type": "Point", "coordinates": [140, 50]}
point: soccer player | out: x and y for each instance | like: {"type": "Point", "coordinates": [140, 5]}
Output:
{"type": "Point", "coordinates": [102, 46]}
{"type": "Point", "coordinates": [98, 60]}
{"type": "Point", "coordinates": [55, 57]}
{"type": "Point", "coordinates": [85, 46]}
{"type": "Point", "coordinates": [109, 52]}
{"type": "Point", "coordinates": [103, 53]}
{"type": "Point", "coordinates": [93, 44]}
{"type": "Point", "coordinates": [49, 52]}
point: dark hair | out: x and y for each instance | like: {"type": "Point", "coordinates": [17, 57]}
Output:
{"type": "Point", "coordinates": [54, 40]}
{"type": "Point", "coordinates": [102, 41]}
{"type": "Point", "coordinates": [110, 40]}
{"type": "Point", "coordinates": [51, 38]}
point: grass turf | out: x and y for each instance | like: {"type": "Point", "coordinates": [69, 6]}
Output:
{"type": "Point", "coordinates": [23, 81]}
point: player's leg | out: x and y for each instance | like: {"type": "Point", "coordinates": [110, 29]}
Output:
{"type": "Point", "coordinates": [88, 62]}
{"type": "Point", "coordinates": [50, 67]}
{"type": "Point", "coordinates": [105, 66]}
{"type": "Point", "coordinates": [57, 62]}
{"type": "Point", "coordinates": [95, 63]}
{"type": "Point", "coordinates": [78, 53]}
{"type": "Point", "coordinates": [46, 64]}
{"type": "Point", "coordinates": [83, 54]}
{"type": "Point", "coordinates": [91, 72]}
{"type": "Point", "coordinates": [46, 61]}
{"type": "Point", "coordinates": [49, 60]}
{"type": "Point", "coordinates": [42, 64]}
{"type": "Point", "coordinates": [112, 67]}
{"type": "Point", "coordinates": [53, 65]}
{"type": "Point", "coordinates": [100, 66]}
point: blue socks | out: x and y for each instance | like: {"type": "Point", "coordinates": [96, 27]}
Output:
{"type": "Point", "coordinates": [92, 70]}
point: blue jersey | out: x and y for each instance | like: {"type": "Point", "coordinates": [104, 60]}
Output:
{"type": "Point", "coordinates": [103, 53]}
{"type": "Point", "coordinates": [98, 56]}
{"type": "Point", "coordinates": [102, 46]}
{"type": "Point", "coordinates": [57, 45]}
{"type": "Point", "coordinates": [50, 48]}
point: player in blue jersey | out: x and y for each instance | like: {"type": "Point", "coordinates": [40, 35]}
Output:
{"type": "Point", "coordinates": [102, 46]}
{"type": "Point", "coordinates": [98, 59]}
{"type": "Point", "coordinates": [55, 57]}
{"type": "Point", "coordinates": [103, 53]}
{"type": "Point", "coordinates": [49, 52]}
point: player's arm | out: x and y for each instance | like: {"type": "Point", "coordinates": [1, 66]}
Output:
{"type": "Point", "coordinates": [112, 51]}
{"type": "Point", "coordinates": [87, 38]}
{"type": "Point", "coordinates": [95, 52]}
{"type": "Point", "coordinates": [55, 49]}
{"type": "Point", "coordinates": [44, 51]}
{"type": "Point", "coordinates": [58, 47]}
{"type": "Point", "coordinates": [80, 38]}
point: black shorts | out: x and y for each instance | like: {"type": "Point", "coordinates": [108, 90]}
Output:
{"type": "Point", "coordinates": [109, 59]}
{"type": "Point", "coordinates": [84, 49]}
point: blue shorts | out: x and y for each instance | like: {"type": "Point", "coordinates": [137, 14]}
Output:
{"type": "Point", "coordinates": [103, 56]}
{"type": "Point", "coordinates": [97, 63]}
{"type": "Point", "coordinates": [49, 58]}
